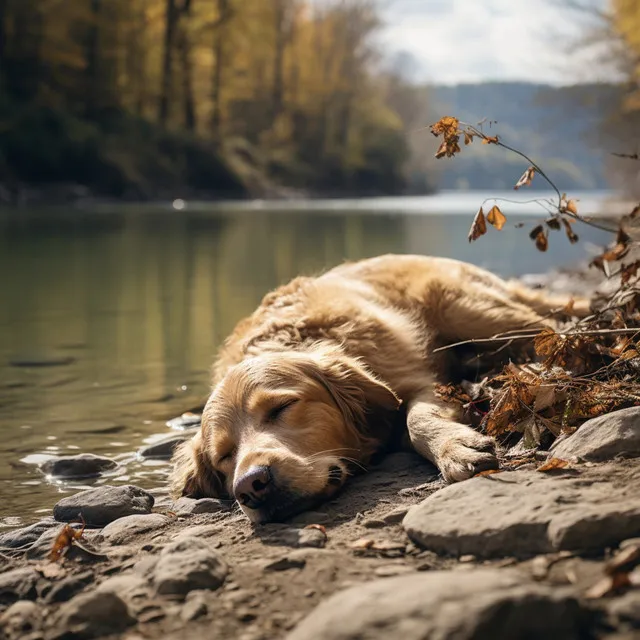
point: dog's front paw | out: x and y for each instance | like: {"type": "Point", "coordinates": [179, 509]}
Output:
{"type": "Point", "coordinates": [465, 454]}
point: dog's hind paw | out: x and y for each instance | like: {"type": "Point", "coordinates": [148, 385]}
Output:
{"type": "Point", "coordinates": [466, 454]}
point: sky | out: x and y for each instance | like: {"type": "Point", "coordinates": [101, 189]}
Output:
{"type": "Point", "coordinates": [452, 41]}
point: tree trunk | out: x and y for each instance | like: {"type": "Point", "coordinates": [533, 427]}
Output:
{"type": "Point", "coordinates": [167, 61]}
{"type": "Point", "coordinates": [189, 104]}
{"type": "Point", "coordinates": [224, 13]}
{"type": "Point", "coordinates": [3, 35]}
{"type": "Point", "coordinates": [92, 55]}
{"type": "Point", "coordinates": [281, 26]}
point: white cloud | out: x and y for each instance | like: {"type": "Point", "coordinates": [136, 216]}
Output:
{"type": "Point", "coordinates": [473, 40]}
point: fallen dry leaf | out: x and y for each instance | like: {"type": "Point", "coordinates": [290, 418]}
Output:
{"type": "Point", "coordinates": [64, 540]}
{"type": "Point", "coordinates": [488, 472]}
{"type": "Point", "coordinates": [319, 527]}
{"type": "Point", "coordinates": [552, 464]}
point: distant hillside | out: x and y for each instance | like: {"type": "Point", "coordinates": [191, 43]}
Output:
{"type": "Point", "coordinates": [558, 127]}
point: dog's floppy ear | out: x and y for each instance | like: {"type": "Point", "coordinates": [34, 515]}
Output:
{"type": "Point", "coordinates": [362, 398]}
{"type": "Point", "coordinates": [192, 475]}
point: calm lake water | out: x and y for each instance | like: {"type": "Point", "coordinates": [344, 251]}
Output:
{"type": "Point", "coordinates": [137, 299]}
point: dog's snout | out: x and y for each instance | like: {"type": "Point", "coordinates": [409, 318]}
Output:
{"type": "Point", "coordinates": [252, 488]}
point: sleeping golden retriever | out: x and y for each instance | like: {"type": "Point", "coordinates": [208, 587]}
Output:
{"type": "Point", "coordinates": [327, 369]}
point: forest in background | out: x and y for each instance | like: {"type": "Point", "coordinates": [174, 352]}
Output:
{"type": "Point", "coordinates": [155, 99]}
{"type": "Point", "coordinates": [140, 98]}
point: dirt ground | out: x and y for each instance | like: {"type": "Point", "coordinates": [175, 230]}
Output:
{"type": "Point", "coordinates": [272, 582]}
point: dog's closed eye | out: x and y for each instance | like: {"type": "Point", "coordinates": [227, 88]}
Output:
{"type": "Point", "coordinates": [225, 458]}
{"type": "Point", "coordinates": [276, 412]}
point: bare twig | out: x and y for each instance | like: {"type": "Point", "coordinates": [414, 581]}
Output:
{"type": "Point", "coordinates": [528, 336]}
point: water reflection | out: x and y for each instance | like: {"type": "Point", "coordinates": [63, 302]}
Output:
{"type": "Point", "coordinates": [140, 300]}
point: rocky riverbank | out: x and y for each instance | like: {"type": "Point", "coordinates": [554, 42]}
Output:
{"type": "Point", "coordinates": [523, 553]}
{"type": "Point", "coordinates": [550, 549]}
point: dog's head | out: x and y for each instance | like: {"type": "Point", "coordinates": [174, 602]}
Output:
{"type": "Point", "coordinates": [281, 431]}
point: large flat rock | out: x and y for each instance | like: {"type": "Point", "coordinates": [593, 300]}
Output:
{"type": "Point", "coordinates": [603, 438]}
{"type": "Point", "coordinates": [103, 505]}
{"type": "Point", "coordinates": [523, 513]}
{"type": "Point", "coordinates": [481, 603]}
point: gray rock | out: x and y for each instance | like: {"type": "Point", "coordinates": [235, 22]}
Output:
{"type": "Point", "coordinates": [95, 614]}
{"type": "Point", "coordinates": [187, 565]}
{"type": "Point", "coordinates": [122, 529]}
{"type": "Point", "coordinates": [84, 465]}
{"type": "Point", "coordinates": [18, 584]}
{"type": "Point", "coordinates": [198, 531]}
{"type": "Point", "coordinates": [187, 420]}
{"type": "Point", "coordinates": [20, 618]}
{"type": "Point", "coordinates": [524, 513]}
{"type": "Point", "coordinates": [285, 564]}
{"type": "Point", "coordinates": [103, 505]}
{"type": "Point", "coordinates": [396, 516]}
{"type": "Point", "coordinates": [26, 535]}
{"type": "Point", "coordinates": [613, 434]}
{"type": "Point", "coordinates": [162, 450]}
{"type": "Point", "coordinates": [126, 586]}
{"type": "Point", "coordinates": [69, 587]}
{"type": "Point", "coordinates": [190, 507]}
{"type": "Point", "coordinates": [292, 537]}
{"type": "Point", "coordinates": [481, 603]}
{"type": "Point", "coordinates": [195, 607]}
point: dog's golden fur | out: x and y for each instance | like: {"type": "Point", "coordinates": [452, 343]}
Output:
{"type": "Point", "coordinates": [317, 379]}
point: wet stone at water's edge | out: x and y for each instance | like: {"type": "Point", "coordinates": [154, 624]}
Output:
{"type": "Point", "coordinates": [102, 505]}
{"type": "Point", "coordinates": [84, 465]}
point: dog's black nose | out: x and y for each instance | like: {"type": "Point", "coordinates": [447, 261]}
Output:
{"type": "Point", "coordinates": [252, 488]}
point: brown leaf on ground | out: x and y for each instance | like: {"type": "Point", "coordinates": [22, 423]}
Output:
{"type": "Point", "coordinates": [64, 540]}
{"type": "Point", "coordinates": [553, 464]}
{"type": "Point", "coordinates": [496, 217]}
{"type": "Point", "coordinates": [546, 342]}
{"type": "Point", "coordinates": [478, 226]}
{"type": "Point", "coordinates": [319, 527]}
{"type": "Point", "coordinates": [488, 472]}
{"type": "Point", "coordinates": [525, 178]}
